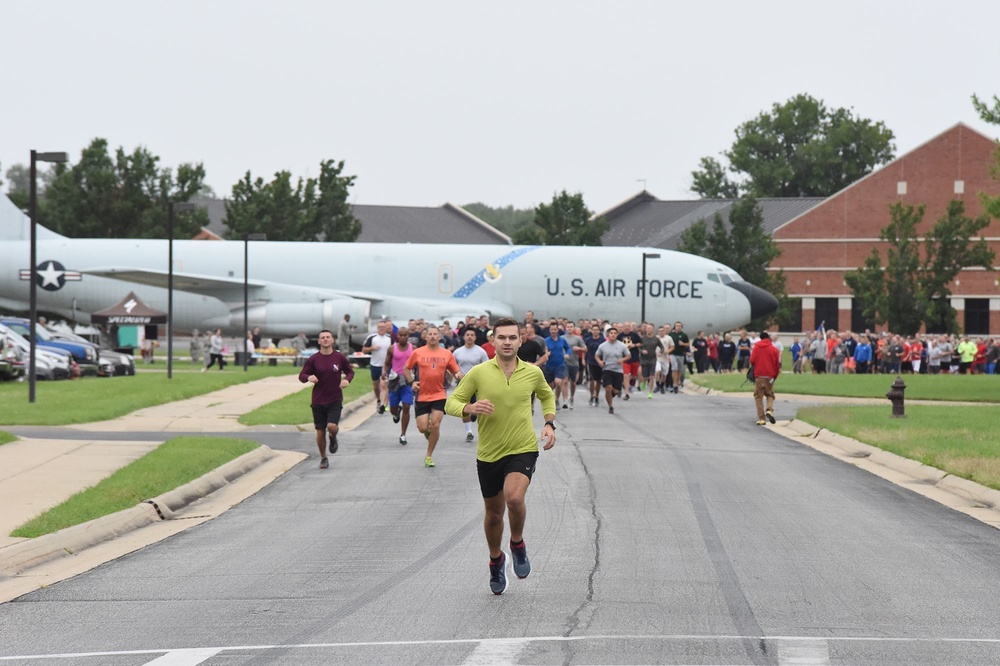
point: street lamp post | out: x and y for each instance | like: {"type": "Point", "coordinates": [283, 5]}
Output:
{"type": "Point", "coordinates": [645, 256]}
{"type": "Point", "coordinates": [247, 237]}
{"type": "Point", "coordinates": [33, 284]}
{"type": "Point", "coordinates": [171, 209]}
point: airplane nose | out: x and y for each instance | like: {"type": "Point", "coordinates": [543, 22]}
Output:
{"type": "Point", "coordinates": [761, 302]}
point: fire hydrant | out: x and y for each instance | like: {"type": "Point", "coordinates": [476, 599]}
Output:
{"type": "Point", "coordinates": [895, 394]}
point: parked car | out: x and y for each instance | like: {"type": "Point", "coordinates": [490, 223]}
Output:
{"type": "Point", "coordinates": [49, 363]}
{"type": "Point", "coordinates": [110, 362]}
{"type": "Point", "coordinates": [84, 353]}
{"type": "Point", "coordinates": [11, 359]}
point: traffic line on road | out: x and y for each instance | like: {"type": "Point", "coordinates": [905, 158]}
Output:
{"type": "Point", "coordinates": [189, 657]}
{"type": "Point", "coordinates": [507, 649]}
{"type": "Point", "coordinates": [803, 652]}
{"type": "Point", "coordinates": [497, 652]}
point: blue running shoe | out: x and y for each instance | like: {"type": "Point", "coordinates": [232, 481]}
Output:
{"type": "Point", "coordinates": [522, 566]}
{"type": "Point", "coordinates": [498, 574]}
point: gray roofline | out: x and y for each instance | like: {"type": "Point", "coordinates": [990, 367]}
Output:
{"type": "Point", "coordinates": [626, 202]}
{"type": "Point", "coordinates": [482, 223]}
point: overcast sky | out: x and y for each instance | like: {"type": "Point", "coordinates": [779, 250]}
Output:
{"type": "Point", "coordinates": [500, 102]}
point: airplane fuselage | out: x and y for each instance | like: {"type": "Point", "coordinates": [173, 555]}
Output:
{"type": "Point", "coordinates": [307, 286]}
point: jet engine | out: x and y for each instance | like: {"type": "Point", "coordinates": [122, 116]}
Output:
{"type": "Point", "coordinates": [281, 320]}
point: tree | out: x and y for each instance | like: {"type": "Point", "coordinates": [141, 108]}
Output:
{"type": "Point", "coordinates": [19, 183]}
{"type": "Point", "coordinates": [711, 181]}
{"type": "Point", "coordinates": [799, 149]}
{"type": "Point", "coordinates": [315, 209]}
{"type": "Point", "coordinates": [565, 221]}
{"type": "Point", "coordinates": [507, 219]}
{"type": "Point", "coordinates": [912, 288]}
{"type": "Point", "coordinates": [121, 197]}
{"type": "Point", "coordinates": [991, 115]}
{"type": "Point", "coordinates": [743, 245]}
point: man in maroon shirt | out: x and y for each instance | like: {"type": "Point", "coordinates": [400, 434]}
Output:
{"type": "Point", "coordinates": [765, 359]}
{"type": "Point", "coordinates": [329, 372]}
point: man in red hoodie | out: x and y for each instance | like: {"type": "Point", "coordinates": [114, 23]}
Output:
{"type": "Point", "coordinates": [766, 362]}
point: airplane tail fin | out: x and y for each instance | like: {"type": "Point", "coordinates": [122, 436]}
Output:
{"type": "Point", "coordinates": [15, 225]}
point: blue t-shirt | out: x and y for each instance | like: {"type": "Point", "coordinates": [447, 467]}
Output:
{"type": "Point", "coordinates": [558, 349]}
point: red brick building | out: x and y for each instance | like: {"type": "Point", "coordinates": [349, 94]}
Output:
{"type": "Point", "coordinates": [837, 235]}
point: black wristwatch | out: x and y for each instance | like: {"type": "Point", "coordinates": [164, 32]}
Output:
{"type": "Point", "coordinates": [550, 424]}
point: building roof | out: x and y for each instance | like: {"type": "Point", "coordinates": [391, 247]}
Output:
{"type": "Point", "coordinates": [958, 131]}
{"type": "Point", "coordinates": [392, 224]}
{"type": "Point", "coordinates": [645, 221]}
{"type": "Point", "coordinates": [409, 224]}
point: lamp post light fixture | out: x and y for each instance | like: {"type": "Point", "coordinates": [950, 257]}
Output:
{"type": "Point", "coordinates": [247, 237]}
{"type": "Point", "coordinates": [171, 209]}
{"type": "Point", "coordinates": [33, 262]}
{"type": "Point", "coordinates": [645, 256]}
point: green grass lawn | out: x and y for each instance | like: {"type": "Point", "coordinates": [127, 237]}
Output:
{"type": "Point", "coordinates": [101, 398]}
{"type": "Point", "coordinates": [958, 388]}
{"type": "Point", "coordinates": [6, 437]}
{"type": "Point", "coordinates": [170, 465]}
{"type": "Point", "coordinates": [294, 409]}
{"type": "Point", "coordinates": [958, 439]}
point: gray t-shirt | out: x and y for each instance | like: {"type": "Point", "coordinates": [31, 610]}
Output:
{"type": "Point", "coordinates": [468, 358]}
{"type": "Point", "coordinates": [613, 353]}
{"type": "Point", "coordinates": [573, 340]}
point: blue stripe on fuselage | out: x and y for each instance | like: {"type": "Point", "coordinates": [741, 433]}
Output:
{"type": "Point", "coordinates": [476, 282]}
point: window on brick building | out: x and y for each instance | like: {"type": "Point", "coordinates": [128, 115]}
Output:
{"type": "Point", "coordinates": [828, 313]}
{"type": "Point", "coordinates": [794, 322]}
{"type": "Point", "coordinates": [977, 316]}
{"type": "Point", "coordinates": [858, 320]}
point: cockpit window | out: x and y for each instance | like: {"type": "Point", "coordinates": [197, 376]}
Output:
{"type": "Point", "coordinates": [713, 277]}
{"type": "Point", "coordinates": [726, 278]}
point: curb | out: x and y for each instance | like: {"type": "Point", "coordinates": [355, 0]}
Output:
{"type": "Point", "coordinates": [17, 558]}
{"type": "Point", "coordinates": [970, 490]}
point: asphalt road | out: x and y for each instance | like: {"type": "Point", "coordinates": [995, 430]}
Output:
{"type": "Point", "coordinates": [674, 532]}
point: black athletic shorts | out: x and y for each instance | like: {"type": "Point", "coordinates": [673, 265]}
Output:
{"type": "Point", "coordinates": [648, 370]}
{"type": "Point", "coordinates": [326, 414]}
{"type": "Point", "coordinates": [595, 372]}
{"type": "Point", "coordinates": [493, 474]}
{"type": "Point", "coordinates": [421, 408]}
{"type": "Point", "coordinates": [612, 379]}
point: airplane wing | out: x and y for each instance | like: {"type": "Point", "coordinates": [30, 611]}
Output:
{"type": "Point", "coordinates": [200, 284]}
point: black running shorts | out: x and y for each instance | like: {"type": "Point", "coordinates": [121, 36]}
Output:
{"type": "Point", "coordinates": [325, 414]}
{"type": "Point", "coordinates": [595, 372]}
{"type": "Point", "coordinates": [421, 408]}
{"type": "Point", "coordinates": [612, 379]}
{"type": "Point", "coordinates": [493, 474]}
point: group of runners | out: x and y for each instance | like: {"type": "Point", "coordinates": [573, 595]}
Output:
{"type": "Point", "coordinates": [498, 391]}
{"type": "Point", "coordinates": [499, 374]}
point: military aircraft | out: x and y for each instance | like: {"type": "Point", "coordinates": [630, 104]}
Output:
{"type": "Point", "coordinates": [304, 287]}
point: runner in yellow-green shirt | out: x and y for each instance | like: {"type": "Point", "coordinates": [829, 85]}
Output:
{"type": "Point", "coordinates": [508, 447]}
{"type": "Point", "coordinates": [967, 348]}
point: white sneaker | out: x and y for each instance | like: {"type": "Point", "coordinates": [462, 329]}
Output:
{"type": "Point", "coordinates": [204, 369]}
{"type": "Point", "coordinates": [402, 440]}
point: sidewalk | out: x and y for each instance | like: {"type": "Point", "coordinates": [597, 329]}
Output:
{"type": "Point", "coordinates": [38, 474]}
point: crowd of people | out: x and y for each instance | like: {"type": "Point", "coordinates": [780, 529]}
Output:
{"type": "Point", "coordinates": [500, 372]}
{"type": "Point", "coordinates": [889, 353]}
